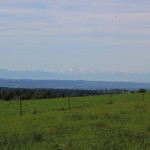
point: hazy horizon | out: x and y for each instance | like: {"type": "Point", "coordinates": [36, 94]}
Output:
{"type": "Point", "coordinates": [76, 75]}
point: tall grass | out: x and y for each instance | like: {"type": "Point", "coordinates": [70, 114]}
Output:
{"type": "Point", "coordinates": [92, 123]}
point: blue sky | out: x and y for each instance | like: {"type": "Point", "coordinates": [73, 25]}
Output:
{"type": "Point", "coordinates": [85, 35]}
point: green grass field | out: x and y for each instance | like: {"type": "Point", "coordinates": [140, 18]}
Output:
{"type": "Point", "coordinates": [92, 123]}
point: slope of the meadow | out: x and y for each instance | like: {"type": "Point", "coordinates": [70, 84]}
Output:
{"type": "Point", "coordinates": [91, 123]}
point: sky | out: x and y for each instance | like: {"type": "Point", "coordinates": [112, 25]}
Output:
{"type": "Point", "coordinates": [75, 35]}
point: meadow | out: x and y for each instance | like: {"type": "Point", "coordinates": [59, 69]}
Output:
{"type": "Point", "coordinates": [91, 123]}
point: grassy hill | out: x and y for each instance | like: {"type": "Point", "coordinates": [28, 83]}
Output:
{"type": "Point", "coordinates": [91, 123]}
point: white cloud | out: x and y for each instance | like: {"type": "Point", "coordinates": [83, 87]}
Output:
{"type": "Point", "coordinates": [58, 20]}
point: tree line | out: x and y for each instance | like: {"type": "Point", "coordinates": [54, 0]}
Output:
{"type": "Point", "coordinates": [27, 94]}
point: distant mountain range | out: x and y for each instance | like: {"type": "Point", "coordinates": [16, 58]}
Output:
{"type": "Point", "coordinates": [76, 75]}
{"type": "Point", "coordinates": [71, 84]}
{"type": "Point", "coordinates": [73, 80]}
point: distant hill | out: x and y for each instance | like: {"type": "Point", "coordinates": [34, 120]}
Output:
{"type": "Point", "coordinates": [76, 75]}
{"type": "Point", "coordinates": [71, 84]}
